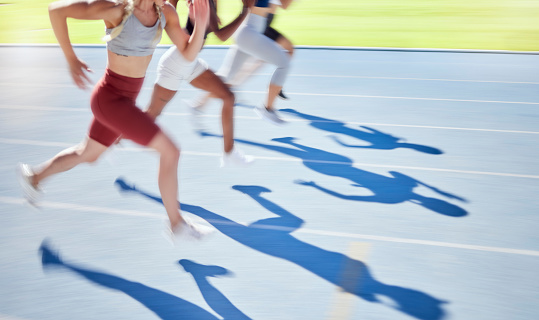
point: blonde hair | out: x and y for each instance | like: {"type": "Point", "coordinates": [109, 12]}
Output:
{"type": "Point", "coordinates": [128, 11]}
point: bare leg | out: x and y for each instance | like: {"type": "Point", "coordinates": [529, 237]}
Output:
{"type": "Point", "coordinates": [168, 175]}
{"type": "Point", "coordinates": [273, 91]}
{"type": "Point", "coordinates": [160, 98]}
{"type": "Point", "coordinates": [208, 81]}
{"type": "Point", "coordinates": [86, 152]}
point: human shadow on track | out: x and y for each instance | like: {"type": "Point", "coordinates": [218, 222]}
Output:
{"type": "Point", "coordinates": [273, 237]}
{"type": "Point", "coordinates": [377, 139]}
{"type": "Point", "coordinates": [164, 305]}
{"type": "Point", "coordinates": [397, 188]}
{"type": "Point", "coordinates": [215, 298]}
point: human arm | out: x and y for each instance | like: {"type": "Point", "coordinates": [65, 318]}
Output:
{"type": "Point", "coordinates": [59, 11]}
{"type": "Point", "coordinates": [285, 3]}
{"type": "Point", "coordinates": [189, 46]}
{"type": "Point", "coordinates": [226, 32]}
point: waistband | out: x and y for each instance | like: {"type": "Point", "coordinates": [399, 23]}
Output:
{"type": "Point", "coordinates": [256, 22]}
{"type": "Point", "coordinates": [127, 86]}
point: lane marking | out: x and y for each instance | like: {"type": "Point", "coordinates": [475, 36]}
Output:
{"type": "Point", "coordinates": [358, 165]}
{"type": "Point", "coordinates": [343, 302]}
{"type": "Point", "coordinates": [299, 75]}
{"type": "Point", "coordinates": [401, 78]}
{"type": "Point", "coordinates": [8, 317]}
{"type": "Point", "coordinates": [314, 94]}
{"type": "Point", "coordinates": [136, 213]}
{"type": "Point", "coordinates": [392, 97]}
{"type": "Point", "coordinates": [187, 114]}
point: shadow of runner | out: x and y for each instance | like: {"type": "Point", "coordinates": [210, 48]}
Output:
{"type": "Point", "coordinates": [273, 237]}
{"type": "Point", "coordinates": [164, 305]}
{"type": "Point", "coordinates": [398, 188]}
{"type": "Point", "coordinates": [213, 297]}
{"type": "Point", "coordinates": [376, 139]}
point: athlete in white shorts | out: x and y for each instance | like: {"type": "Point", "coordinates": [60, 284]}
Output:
{"type": "Point", "coordinates": [174, 69]}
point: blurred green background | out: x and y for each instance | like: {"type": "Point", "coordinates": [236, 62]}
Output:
{"type": "Point", "coordinates": [451, 24]}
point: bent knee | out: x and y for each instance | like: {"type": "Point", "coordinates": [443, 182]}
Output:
{"type": "Point", "coordinates": [228, 98]}
{"type": "Point", "coordinates": [89, 157]}
{"type": "Point", "coordinates": [283, 62]}
{"type": "Point", "coordinates": [172, 153]}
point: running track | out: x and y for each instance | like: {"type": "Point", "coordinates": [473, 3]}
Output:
{"type": "Point", "coordinates": [405, 186]}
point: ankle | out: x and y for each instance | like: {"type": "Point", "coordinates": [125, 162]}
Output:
{"type": "Point", "coordinates": [176, 223]}
{"type": "Point", "coordinates": [34, 181]}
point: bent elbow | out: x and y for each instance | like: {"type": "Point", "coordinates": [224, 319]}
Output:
{"type": "Point", "coordinates": [222, 37]}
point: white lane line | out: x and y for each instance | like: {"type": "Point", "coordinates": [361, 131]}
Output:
{"type": "Point", "coordinates": [334, 95]}
{"type": "Point", "coordinates": [187, 114]}
{"type": "Point", "coordinates": [46, 108]}
{"type": "Point", "coordinates": [391, 97]}
{"type": "Point", "coordinates": [8, 317]}
{"type": "Point", "coordinates": [286, 159]}
{"type": "Point", "coordinates": [401, 78]}
{"type": "Point", "coordinates": [81, 208]}
{"type": "Point", "coordinates": [298, 75]}
{"type": "Point", "coordinates": [135, 213]}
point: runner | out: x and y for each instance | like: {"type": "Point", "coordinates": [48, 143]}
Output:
{"type": "Point", "coordinates": [174, 68]}
{"type": "Point", "coordinates": [133, 29]}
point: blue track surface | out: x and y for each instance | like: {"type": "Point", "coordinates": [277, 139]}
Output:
{"type": "Point", "coordinates": [403, 187]}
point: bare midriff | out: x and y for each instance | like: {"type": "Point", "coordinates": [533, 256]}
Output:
{"type": "Point", "coordinates": [129, 66]}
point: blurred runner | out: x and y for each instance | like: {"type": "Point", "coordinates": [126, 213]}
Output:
{"type": "Point", "coordinates": [133, 30]}
{"type": "Point", "coordinates": [173, 69]}
{"type": "Point", "coordinates": [252, 43]}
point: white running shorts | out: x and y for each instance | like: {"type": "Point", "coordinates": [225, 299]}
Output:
{"type": "Point", "coordinates": [173, 69]}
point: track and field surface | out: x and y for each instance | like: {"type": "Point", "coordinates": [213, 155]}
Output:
{"type": "Point", "coordinates": [403, 187]}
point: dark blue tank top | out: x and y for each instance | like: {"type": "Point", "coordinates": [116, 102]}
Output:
{"type": "Point", "coordinates": [262, 3]}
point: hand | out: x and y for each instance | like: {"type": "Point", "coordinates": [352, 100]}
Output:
{"type": "Point", "coordinates": [284, 139]}
{"type": "Point", "coordinates": [305, 183]}
{"type": "Point", "coordinates": [117, 142]}
{"type": "Point", "coordinates": [201, 12]}
{"type": "Point", "coordinates": [78, 69]}
{"type": "Point", "coordinates": [248, 3]}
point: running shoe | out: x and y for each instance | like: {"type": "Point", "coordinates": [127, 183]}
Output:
{"type": "Point", "coordinates": [187, 231]}
{"type": "Point", "coordinates": [269, 115]}
{"type": "Point", "coordinates": [30, 193]}
{"type": "Point", "coordinates": [236, 158]}
{"type": "Point", "coordinates": [282, 95]}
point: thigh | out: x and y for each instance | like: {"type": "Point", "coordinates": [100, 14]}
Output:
{"type": "Point", "coordinates": [136, 125]}
{"type": "Point", "coordinates": [169, 70]}
{"type": "Point", "coordinates": [102, 133]}
{"type": "Point", "coordinates": [125, 118]}
{"type": "Point", "coordinates": [210, 82]}
{"type": "Point", "coordinates": [234, 60]}
{"type": "Point", "coordinates": [160, 98]}
{"type": "Point", "coordinates": [262, 47]}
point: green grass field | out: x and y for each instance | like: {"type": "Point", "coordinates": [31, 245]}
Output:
{"type": "Point", "coordinates": [452, 24]}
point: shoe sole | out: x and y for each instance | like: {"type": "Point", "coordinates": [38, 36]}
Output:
{"type": "Point", "coordinates": [263, 117]}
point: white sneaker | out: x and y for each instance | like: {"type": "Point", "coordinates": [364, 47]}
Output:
{"type": "Point", "coordinates": [269, 115]}
{"type": "Point", "coordinates": [30, 193]}
{"type": "Point", "coordinates": [196, 112]}
{"type": "Point", "coordinates": [236, 158]}
{"type": "Point", "coordinates": [187, 231]}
